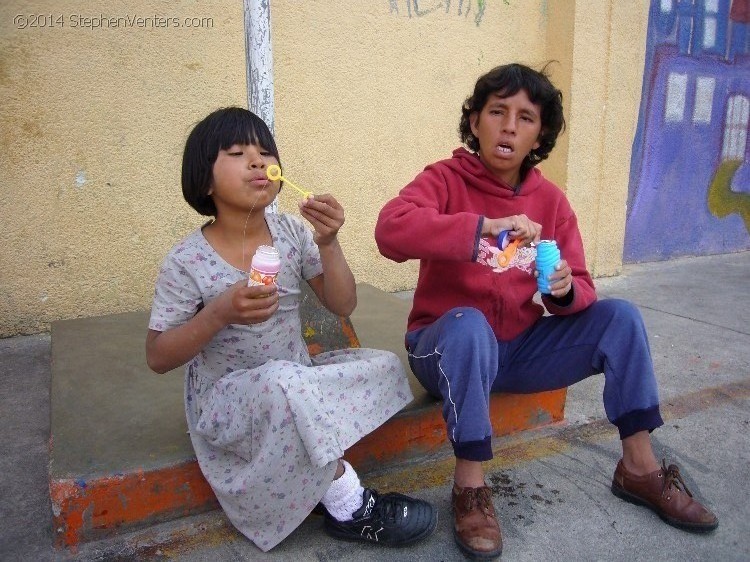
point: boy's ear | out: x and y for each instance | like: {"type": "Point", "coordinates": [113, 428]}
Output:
{"type": "Point", "coordinates": [473, 121]}
{"type": "Point", "coordinates": [537, 144]}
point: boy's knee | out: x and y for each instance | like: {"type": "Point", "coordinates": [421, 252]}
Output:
{"type": "Point", "coordinates": [621, 313]}
{"type": "Point", "coordinates": [466, 316]}
{"type": "Point", "coordinates": [467, 322]}
{"type": "Point", "coordinates": [469, 332]}
{"type": "Point", "coordinates": [620, 309]}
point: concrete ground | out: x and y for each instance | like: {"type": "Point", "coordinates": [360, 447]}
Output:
{"type": "Point", "coordinates": [551, 486]}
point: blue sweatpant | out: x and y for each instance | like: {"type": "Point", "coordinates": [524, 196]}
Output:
{"type": "Point", "coordinates": [458, 359]}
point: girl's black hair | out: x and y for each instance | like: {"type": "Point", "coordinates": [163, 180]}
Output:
{"type": "Point", "coordinates": [507, 81]}
{"type": "Point", "coordinates": [218, 131]}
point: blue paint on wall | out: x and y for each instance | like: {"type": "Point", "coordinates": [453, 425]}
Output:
{"type": "Point", "coordinates": [692, 120]}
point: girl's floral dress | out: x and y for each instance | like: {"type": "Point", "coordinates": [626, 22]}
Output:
{"type": "Point", "coordinates": [267, 421]}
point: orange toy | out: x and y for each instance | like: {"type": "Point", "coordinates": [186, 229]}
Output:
{"type": "Point", "coordinates": [507, 254]}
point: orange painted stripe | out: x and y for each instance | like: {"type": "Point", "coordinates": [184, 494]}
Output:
{"type": "Point", "coordinates": [409, 436]}
{"type": "Point", "coordinates": [100, 507]}
{"type": "Point", "coordinates": [348, 330]}
{"type": "Point", "coordinates": [314, 348]}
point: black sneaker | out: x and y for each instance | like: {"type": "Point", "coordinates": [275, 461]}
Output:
{"type": "Point", "coordinates": [320, 509]}
{"type": "Point", "coordinates": [391, 519]}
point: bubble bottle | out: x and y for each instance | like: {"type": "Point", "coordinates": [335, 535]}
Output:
{"type": "Point", "coordinates": [547, 256]}
{"type": "Point", "coordinates": [264, 267]}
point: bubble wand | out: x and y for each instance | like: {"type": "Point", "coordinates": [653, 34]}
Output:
{"type": "Point", "coordinates": [507, 248]}
{"type": "Point", "coordinates": [273, 173]}
{"type": "Point", "coordinates": [508, 252]}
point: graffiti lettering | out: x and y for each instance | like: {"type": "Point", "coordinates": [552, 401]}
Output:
{"type": "Point", "coordinates": [462, 8]}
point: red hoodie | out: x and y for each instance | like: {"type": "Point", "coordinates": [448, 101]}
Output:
{"type": "Point", "coordinates": [438, 218]}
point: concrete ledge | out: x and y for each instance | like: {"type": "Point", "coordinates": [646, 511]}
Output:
{"type": "Point", "coordinates": [120, 456]}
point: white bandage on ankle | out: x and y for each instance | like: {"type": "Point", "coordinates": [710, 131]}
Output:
{"type": "Point", "coordinates": [344, 496]}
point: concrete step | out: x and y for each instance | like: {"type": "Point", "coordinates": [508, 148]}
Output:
{"type": "Point", "coordinates": [120, 456]}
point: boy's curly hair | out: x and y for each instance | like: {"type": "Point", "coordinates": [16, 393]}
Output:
{"type": "Point", "coordinates": [508, 80]}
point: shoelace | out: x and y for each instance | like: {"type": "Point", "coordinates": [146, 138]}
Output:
{"type": "Point", "coordinates": [480, 498]}
{"type": "Point", "coordinates": [389, 508]}
{"type": "Point", "coordinates": [673, 479]}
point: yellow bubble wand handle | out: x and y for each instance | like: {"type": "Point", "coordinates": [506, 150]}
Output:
{"type": "Point", "coordinates": [273, 173]}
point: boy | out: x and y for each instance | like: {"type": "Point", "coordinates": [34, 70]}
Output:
{"type": "Point", "coordinates": [474, 328]}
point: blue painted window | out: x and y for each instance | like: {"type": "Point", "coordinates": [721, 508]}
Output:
{"type": "Point", "coordinates": [674, 108]}
{"type": "Point", "coordinates": [735, 128]}
{"type": "Point", "coordinates": [704, 99]}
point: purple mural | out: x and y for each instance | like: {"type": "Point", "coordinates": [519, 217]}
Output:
{"type": "Point", "coordinates": [689, 188]}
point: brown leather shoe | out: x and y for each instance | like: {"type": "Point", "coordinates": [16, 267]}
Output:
{"type": "Point", "coordinates": [475, 527]}
{"type": "Point", "coordinates": [664, 492]}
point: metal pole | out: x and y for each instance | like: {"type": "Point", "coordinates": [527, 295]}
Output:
{"type": "Point", "coordinates": [259, 63]}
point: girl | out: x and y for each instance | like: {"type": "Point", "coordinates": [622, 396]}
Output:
{"type": "Point", "coordinates": [268, 423]}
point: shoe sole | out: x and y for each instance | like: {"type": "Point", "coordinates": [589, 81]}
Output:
{"type": "Point", "coordinates": [356, 538]}
{"type": "Point", "coordinates": [618, 491]}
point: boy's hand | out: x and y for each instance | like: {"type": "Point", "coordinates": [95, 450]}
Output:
{"type": "Point", "coordinates": [326, 216]}
{"type": "Point", "coordinates": [561, 280]}
{"type": "Point", "coordinates": [520, 227]}
{"type": "Point", "coordinates": [241, 304]}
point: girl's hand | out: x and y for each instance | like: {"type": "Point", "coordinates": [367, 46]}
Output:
{"type": "Point", "coordinates": [326, 216]}
{"type": "Point", "coordinates": [241, 304]}
{"type": "Point", "coordinates": [561, 280]}
{"type": "Point", "coordinates": [520, 227]}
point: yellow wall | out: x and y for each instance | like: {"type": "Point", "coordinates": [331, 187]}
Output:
{"type": "Point", "coordinates": [601, 49]}
{"type": "Point", "coordinates": [372, 96]}
{"type": "Point", "coordinates": [93, 122]}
